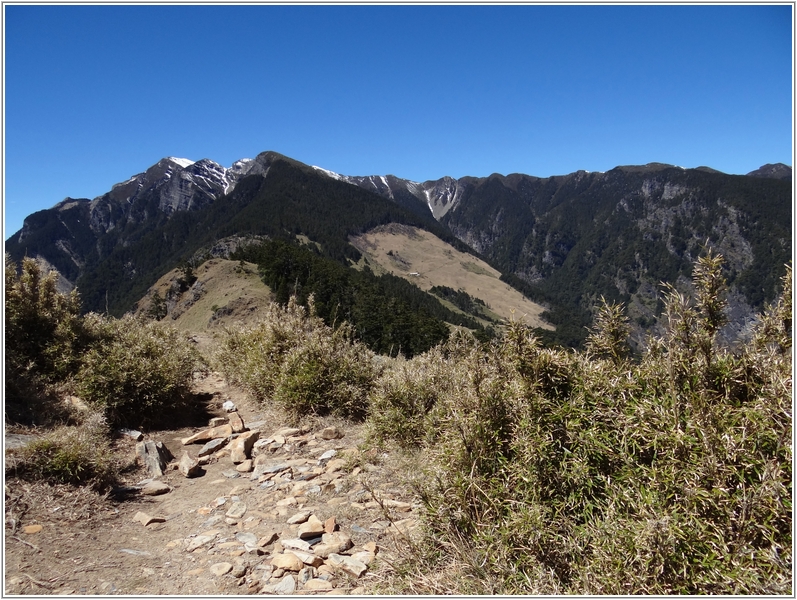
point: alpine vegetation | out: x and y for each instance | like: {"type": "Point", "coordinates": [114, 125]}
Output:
{"type": "Point", "coordinates": [302, 365]}
{"type": "Point", "coordinates": [563, 472]}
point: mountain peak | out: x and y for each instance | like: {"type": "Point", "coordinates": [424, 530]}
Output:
{"type": "Point", "coordinates": [772, 171]}
{"type": "Point", "coordinates": [183, 162]}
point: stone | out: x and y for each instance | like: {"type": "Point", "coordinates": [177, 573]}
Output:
{"type": "Point", "coordinates": [237, 510]}
{"type": "Point", "coordinates": [296, 543]}
{"type": "Point", "coordinates": [330, 525]}
{"type": "Point", "coordinates": [246, 537]}
{"type": "Point", "coordinates": [199, 541]}
{"type": "Point", "coordinates": [212, 446]}
{"type": "Point", "coordinates": [286, 586]}
{"type": "Point", "coordinates": [286, 432]}
{"type": "Point", "coordinates": [315, 585]}
{"type": "Point", "coordinates": [333, 543]}
{"type": "Point", "coordinates": [155, 488]}
{"type": "Point", "coordinates": [241, 447]}
{"type": "Point", "coordinates": [299, 517]}
{"type": "Point", "coordinates": [32, 529]}
{"type": "Point", "coordinates": [327, 456]}
{"type": "Point", "coordinates": [145, 519]}
{"type": "Point", "coordinates": [195, 572]}
{"type": "Point", "coordinates": [216, 421]}
{"type": "Point", "coordinates": [313, 527]}
{"type": "Point", "coordinates": [189, 467]}
{"type": "Point", "coordinates": [220, 569]}
{"type": "Point", "coordinates": [245, 466]}
{"type": "Point", "coordinates": [335, 465]}
{"type": "Point", "coordinates": [364, 557]}
{"type": "Point", "coordinates": [331, 433]}
{"type": "Point", "coordinates": [289, 501]}
{"type": "Point", "coordinates": [307, 558]}
{"type": "Point", "coordinates": [132, 433]}
{"type": "Point", "coordinates": [220, 431]}
{"type": "Point", "coordinates": [306, 575]}
{"type": "Point", "coordinates": [155, 457]}
{"type": "Point", "coordinates": [287, 561]}
{"type": "Point", "coordinates": [238, 571]}
{"type": "Point", "coordinates": [229, 406]}
{"type": "Point", "coordinates": [348, 564]}
{"type": "Point", "coordinates": [236, 422]}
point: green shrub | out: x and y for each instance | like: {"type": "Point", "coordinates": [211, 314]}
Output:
{"type": "Point", "coordinates": [137, 373]}
{"type": "Point", "coordinates": [42, 341]}
{"type": "Point", "coordinates": [73, 455]}
{"type": "Point", "coordinates": [290, 357]}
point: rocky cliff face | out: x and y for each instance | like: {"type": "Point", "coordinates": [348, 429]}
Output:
{"type": "Point", "coordinates": [170, 185]}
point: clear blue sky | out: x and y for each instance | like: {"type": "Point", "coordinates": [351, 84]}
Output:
{"type": "Point", "coordinates": [96, 94]}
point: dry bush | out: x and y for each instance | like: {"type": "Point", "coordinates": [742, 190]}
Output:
{"type": "Point", "coordinates": [137, 373]}
{"type": "Point", "coordinates": [586, 473]}
{"type": "Point", "coordinates": [70, 455]}
{"type": "Point", "coordinates": [290, 357]}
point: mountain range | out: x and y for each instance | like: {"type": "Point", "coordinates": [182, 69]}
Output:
{"type": "Point", "coordinates": [564, 241]}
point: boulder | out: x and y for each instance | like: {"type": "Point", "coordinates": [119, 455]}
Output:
{"type": "Point", "coordinates": [241, 447]}
{"type": "Point", "coordinates": [237, 423]}
{"type": "Point", "coordinates": [312, 528]}
{"type": "Point", "coordinates": [350, 565]}
{"type": "Point", "coordinates": [154, 455]}
{"type": "Point", "coordinates": [287, 561]}
{"type": "Point", "coordinates": [212, 446]}
{"type": "Point", "coordinates": [189, 467]}
{"type": "Point", "coordinates": [331, 433]}
{"type": "Point", "coordinates": [332, 543]}
{"type": "Point", "coordinates": [155, 488]}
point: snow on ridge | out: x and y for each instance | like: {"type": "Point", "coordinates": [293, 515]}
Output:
{"type": "Point", "coordinates": [329, 173]}
{"type": "Point", "coordinates": [183, 162]}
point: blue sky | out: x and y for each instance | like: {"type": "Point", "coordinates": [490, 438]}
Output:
{"type": "Point", "coordinates": [95, 94]}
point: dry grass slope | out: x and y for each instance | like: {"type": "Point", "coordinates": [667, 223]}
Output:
{"type": "Point", "coordinates": [425, 260]}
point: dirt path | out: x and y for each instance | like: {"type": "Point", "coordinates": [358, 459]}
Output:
{"type": "Point", "coordinates": [220, 532]}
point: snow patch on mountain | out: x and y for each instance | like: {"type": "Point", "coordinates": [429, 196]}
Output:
{"type": "Point", "coordinates": [183, 162]}
{"type": "Point", "coordinates": [329, 173]}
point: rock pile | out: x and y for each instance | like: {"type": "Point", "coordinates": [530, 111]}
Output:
{"type": "Point", "coordinates": [298, 519]}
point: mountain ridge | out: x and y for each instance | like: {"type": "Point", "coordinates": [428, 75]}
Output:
{"type": "Point", "coordinates": [566, 240]}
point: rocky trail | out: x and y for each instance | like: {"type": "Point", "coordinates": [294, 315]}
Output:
{"type": "Point", "coordinates": [244, 505]}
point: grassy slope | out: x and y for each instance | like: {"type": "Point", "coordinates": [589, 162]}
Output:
{"type": "Point", "coordinates": [225, 284]}
{"type": "Point", "coordinates": [438, 263]}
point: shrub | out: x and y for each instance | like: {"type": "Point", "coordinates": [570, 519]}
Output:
{"type": "Point", "coordinates": [135, 372]}
{"type": "Point", "coordinates": [405, 396]}
{"type": "Point", "coordinates": [73, 455]}
{"type": "Point", "coordinates": [584, 473]}
{"type": "Point", "coordinates": [42, 340]}
{"type": "Point", "coordinates": [292, 358]}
